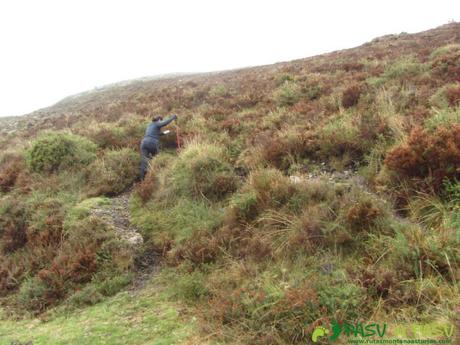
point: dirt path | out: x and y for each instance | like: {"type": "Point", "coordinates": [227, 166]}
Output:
{"type": "Point", "coordinates": [117, 215]}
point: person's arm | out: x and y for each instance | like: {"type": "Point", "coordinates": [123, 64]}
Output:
{"type": "Point", "coordinates": [167, 121]}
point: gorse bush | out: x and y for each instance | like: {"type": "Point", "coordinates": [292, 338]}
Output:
{"type": "Point", "coordinates": [55, 151]}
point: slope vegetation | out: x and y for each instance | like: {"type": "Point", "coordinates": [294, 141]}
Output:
{"type": "Point", "coordinates": [318, 190]}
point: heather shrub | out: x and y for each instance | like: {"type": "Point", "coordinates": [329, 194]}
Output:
{"type": "Point", "coordinates": [350, 95]}
{"type": "Point", "coordinates": [112, 173]}
{"type": "Point", "coordinates": [434, 155]}
{"type": "Point", "coordinates": [57, 151]}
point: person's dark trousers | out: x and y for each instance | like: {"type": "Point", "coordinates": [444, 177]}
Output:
{"type": "Point", "coordinates": [149, 148]}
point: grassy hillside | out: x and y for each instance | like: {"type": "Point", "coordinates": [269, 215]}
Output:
{"type": "Point", "coordinates": [318, 190]}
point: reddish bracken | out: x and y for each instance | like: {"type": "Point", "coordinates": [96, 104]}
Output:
{"type": "Point", "coordinates": [433, 155]}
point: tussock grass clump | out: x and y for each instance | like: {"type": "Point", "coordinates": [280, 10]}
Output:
{"type": "Point", "coordinates": [339, 140]}
{"type": "Point", "coordinates": [265, 188]}
{"type": "Point", "coordinates": [58, 151]}
{"type": "Point", "coordinates": [112, 173]}
{"type": "Point", "coordinates": [203, 170]}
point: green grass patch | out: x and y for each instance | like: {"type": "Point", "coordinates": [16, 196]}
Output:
{"type": "Point", "coordinates": [140, 318]}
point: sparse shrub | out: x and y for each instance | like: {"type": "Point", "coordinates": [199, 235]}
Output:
{"type": "Point", "coordinates": [45, 221]}
{"type": "Point", "coordinates": [281, 151]}
{"type": "Point", "coordinates": [146, 187]}
{"type": "Point", "coordinates": [350, 95]}
{"type": "Point", "coordinates": [13, 225]}
{"type": "Point", "coordinates": [442, 118]}
{"type": "Point", "coordinates": [313, 92]}
{"type": "Point", "coordinates": [274, 306]}
{"type": "Point", "coordinates": [201, 248]}
{"type": "Point", "coordinates": [448, 95]}
{"type": "Point", "coordinates": [242, 207]}
{"type": "Point", "coordinates": [453, 95]}
{"type": "Point", "coordinates": [343, 299]}
{"type": "Point", "coordinates": [164, 222]}
{"type": "Point", "coordinates": [203, 170]}
{"type": "Point", "coordinates": [191, 287]}
{"type": "Point", "coordinates": [339, 138]}
{"type": "Point", "coordinates": [112, 173]}
{"type": "Point", "coordinates": [287, 94]}
{"type": "Point", "coordinates": [282, 78]}
{"type": "Point", "coordinates": [87, 296]}
{"type": "Point", "coordinates": [110, 136]}
{"type": "Point", "coordinates": [444, 50]}
{"type": "Point", "coordinates": [402, 70]}
{"type": "Point", "coordinates": [433, 155]}
{"type": "Point", "coordinates": [219, 91]}
{"type": "Point", "coordinates": [113, 285]}
{"type": "Point", "coordinates": [362, 215]}
{"type": "Point", "coordinates": [33, 295]}
{"type": "Point", "coordinates": [271, 187]}
{"type": "Point", "coordinates": [55, 151]}
{"type": "Point", "coordinates": [11, 165]}
{"type": "Point", "coordinates": [446, 64]}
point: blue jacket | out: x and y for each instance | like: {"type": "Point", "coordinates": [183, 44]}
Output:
{"type": "Point", "coordinates": [154, 129]}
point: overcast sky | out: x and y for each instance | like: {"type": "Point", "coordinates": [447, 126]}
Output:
{"type": "Point", "coordinates": [52, 49]}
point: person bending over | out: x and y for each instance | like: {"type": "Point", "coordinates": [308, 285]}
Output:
{"type": "Point", "coordinates": [150, 143]}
